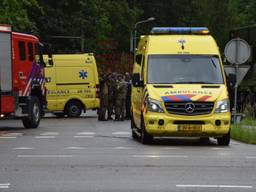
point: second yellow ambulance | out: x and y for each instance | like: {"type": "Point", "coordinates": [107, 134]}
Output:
{"type": "Point", "coordinates": [72, 84]}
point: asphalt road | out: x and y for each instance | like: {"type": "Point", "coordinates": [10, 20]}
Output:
{"type": "Point", "coordinates": [80, 155]}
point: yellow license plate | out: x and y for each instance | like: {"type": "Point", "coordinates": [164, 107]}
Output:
{"type": "Point", "coordinates": [190, 128]}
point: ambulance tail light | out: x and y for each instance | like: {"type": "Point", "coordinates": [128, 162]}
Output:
{"type": "Point", "coordinates": [97, 91]}
{"type": "Point", "coordinates": [180, 30]}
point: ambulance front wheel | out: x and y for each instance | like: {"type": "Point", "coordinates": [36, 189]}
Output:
{"type": "Point", "coordinates": [224, 140]}
{"type": "Point", "coordinates": [34, 114]}
{"type": "Point", "coordinates": [145, 138]}
{"type": "Point", "coordinates": [73, 109]}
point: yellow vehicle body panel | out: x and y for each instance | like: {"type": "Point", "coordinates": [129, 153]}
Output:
{"type": "Point", "coordinates": [206, 125]}
{"type": "Point", "coordinates": [196, 93]}
{"type": "Point", "coordinates": [72, 77]}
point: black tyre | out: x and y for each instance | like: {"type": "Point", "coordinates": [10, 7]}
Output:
{"type": "Point", "coordinates": [133, 127]}
{"type": "Point", "coordinates": [204, 140]}
{"type": "Point", "coordinates": [73, 109]}
{"type": "Point", "coordinates": [59, 114]}
{"type": "Point", "coordinates": [224, 140]}
{"type": "Point", "coordinates": [132, 123]}
{"type": "Point", "coordinates": [34, 114]}
{"type": "Point", "coordinates": [145, 138]}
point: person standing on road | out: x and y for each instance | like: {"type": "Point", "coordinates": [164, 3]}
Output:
{"type": "Point", "coordinates": [121, 97]}
{"type": "Point", "coordinates": [128, 96]}
{"type": "Point", "coordinates": [103, 98]}
{"type": "Point", "coordinates": [111, 95]}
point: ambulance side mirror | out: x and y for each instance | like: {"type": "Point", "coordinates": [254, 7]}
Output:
{"type": "Point", "coordinates": [136, 82]}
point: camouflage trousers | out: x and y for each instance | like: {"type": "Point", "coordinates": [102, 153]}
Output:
{"type": "Point", "coordinates": [103, 107]}
{"type": "Point", "coordinates": [120, 108]}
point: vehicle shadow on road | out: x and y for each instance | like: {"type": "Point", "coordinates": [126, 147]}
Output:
{"type": "Point", "coordinates": [183, 142]}
{"type": "Point", "coordinates": [82, 117]}
{"type": "Point", "coordinates": [10, 128]}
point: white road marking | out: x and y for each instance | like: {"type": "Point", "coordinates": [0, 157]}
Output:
{"type": "Point", "coordinates": [86, 133]}
{"type": "Point", "coordinates": [83, 136]}
{"type": "Point", "coordinates": [216, 148]}
{"type": "Point", "coordinates": [43, 156]}
{"type": "Point", "coordinates": [121, 133]}
{"type": "Point", "coordinates": [8, 137]}
{"type": "Point", "coordinates": [49, 134]}
{"type": "Point", "coordinates": [74, 148]}
{"type": "Point", "coordinates": [122, 147]}
{"type": "Point", "coordinates": [23, 148]}
{"type": "Point", "coordinates": [250, 157]}
{"type": "Point", "coordinates": [45, 137]}
{"type": "Point", "coordinates": [216, 186]}
{"type": "Point", "coordinates": [167, 148]}
{"type": "Point", "coordinates": [12, 134]}
{"type": "Point", "coordinates": [4, 185]}
{"type": "Point", "coordinates": [160, 156]}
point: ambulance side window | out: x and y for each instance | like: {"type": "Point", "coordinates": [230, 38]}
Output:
{"type": "Point", "coordinates": [30, 52]}
{"type": "Point", "coordinates": [22, 50]}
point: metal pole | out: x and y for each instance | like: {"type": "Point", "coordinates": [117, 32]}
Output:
{"type": "Point", "coordinates": [82, 41]}
{"type": "Point", "coordinates": [235, 102]}
{"type": "Point", "coordinates": [236, 85]}
{"type": "Point", "coordinates": [135, 34]}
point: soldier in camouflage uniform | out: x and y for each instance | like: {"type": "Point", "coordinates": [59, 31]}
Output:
{"type": "Point", "coordinates": [103, 98]}
{"type": "Point", "coordinates": [111, 95]}
{"type": "Point", "coordinates": [121, 98]}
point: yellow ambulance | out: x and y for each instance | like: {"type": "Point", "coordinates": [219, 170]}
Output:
{"type": "Point", "coordinates": [179, 86]}
{"type": "Point", "coordinates": [72, 84]}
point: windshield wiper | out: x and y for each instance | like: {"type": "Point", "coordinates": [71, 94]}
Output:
{"type": "Point", "coordinates": [213, 63]}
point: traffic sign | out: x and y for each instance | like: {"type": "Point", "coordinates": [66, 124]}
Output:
{"type": "Point", "coordinates": [241, 72]}
{"type": "Point", "coordinates": [237, 51]}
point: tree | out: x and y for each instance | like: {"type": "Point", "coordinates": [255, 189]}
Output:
{"type": "Point", "coordinates": [15, 13]}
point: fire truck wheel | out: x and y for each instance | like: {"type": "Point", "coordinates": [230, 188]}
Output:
{"type": "Point", "coordinates": [73, 109]}
{"type": "Point", "coordinates": [34, 114]}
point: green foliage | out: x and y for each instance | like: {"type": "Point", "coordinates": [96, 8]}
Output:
{"type": "Point", "coordinates": [15, 13]}
{"type": "Point", "coordinates": [111, 19]}
{"type": "Point", "coordinates": [245, 131]}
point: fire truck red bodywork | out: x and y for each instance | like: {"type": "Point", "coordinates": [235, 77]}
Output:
{"type": "Point", "coordinates": [21, 75]}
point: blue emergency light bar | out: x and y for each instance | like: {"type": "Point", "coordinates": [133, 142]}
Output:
{"type": "Point", "coordinates": [180, 30]}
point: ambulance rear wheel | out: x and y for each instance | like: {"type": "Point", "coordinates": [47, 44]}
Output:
{"type": "Point", "coordinates": [74, 109]}
{"type": "Point", "coordinates": [34, 114]}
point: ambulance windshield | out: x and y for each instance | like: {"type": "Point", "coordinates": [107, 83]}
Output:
{"type": "Point", "coordinates": [184, 69]}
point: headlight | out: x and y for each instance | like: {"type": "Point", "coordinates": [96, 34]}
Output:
{"type": "Point", "coordinates": [222, 106]}
{"type": "Point", "coordinates": [154, 105]}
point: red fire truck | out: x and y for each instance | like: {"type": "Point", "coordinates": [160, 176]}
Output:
{"type": "Point", "coordinates": [22, 90]}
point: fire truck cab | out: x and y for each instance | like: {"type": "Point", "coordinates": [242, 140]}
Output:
{"type": "Point", "coordinates": [22, 90]}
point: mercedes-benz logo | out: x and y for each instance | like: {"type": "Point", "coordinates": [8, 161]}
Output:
{"type": "Point", "coordinates": [189, 107]}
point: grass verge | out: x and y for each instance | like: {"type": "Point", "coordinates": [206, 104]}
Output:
{"type": "Point", "coordinates": [244, 131]}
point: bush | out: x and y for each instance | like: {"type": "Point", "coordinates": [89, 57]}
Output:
{"type": "Point", "coordinates": [245, 131]}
